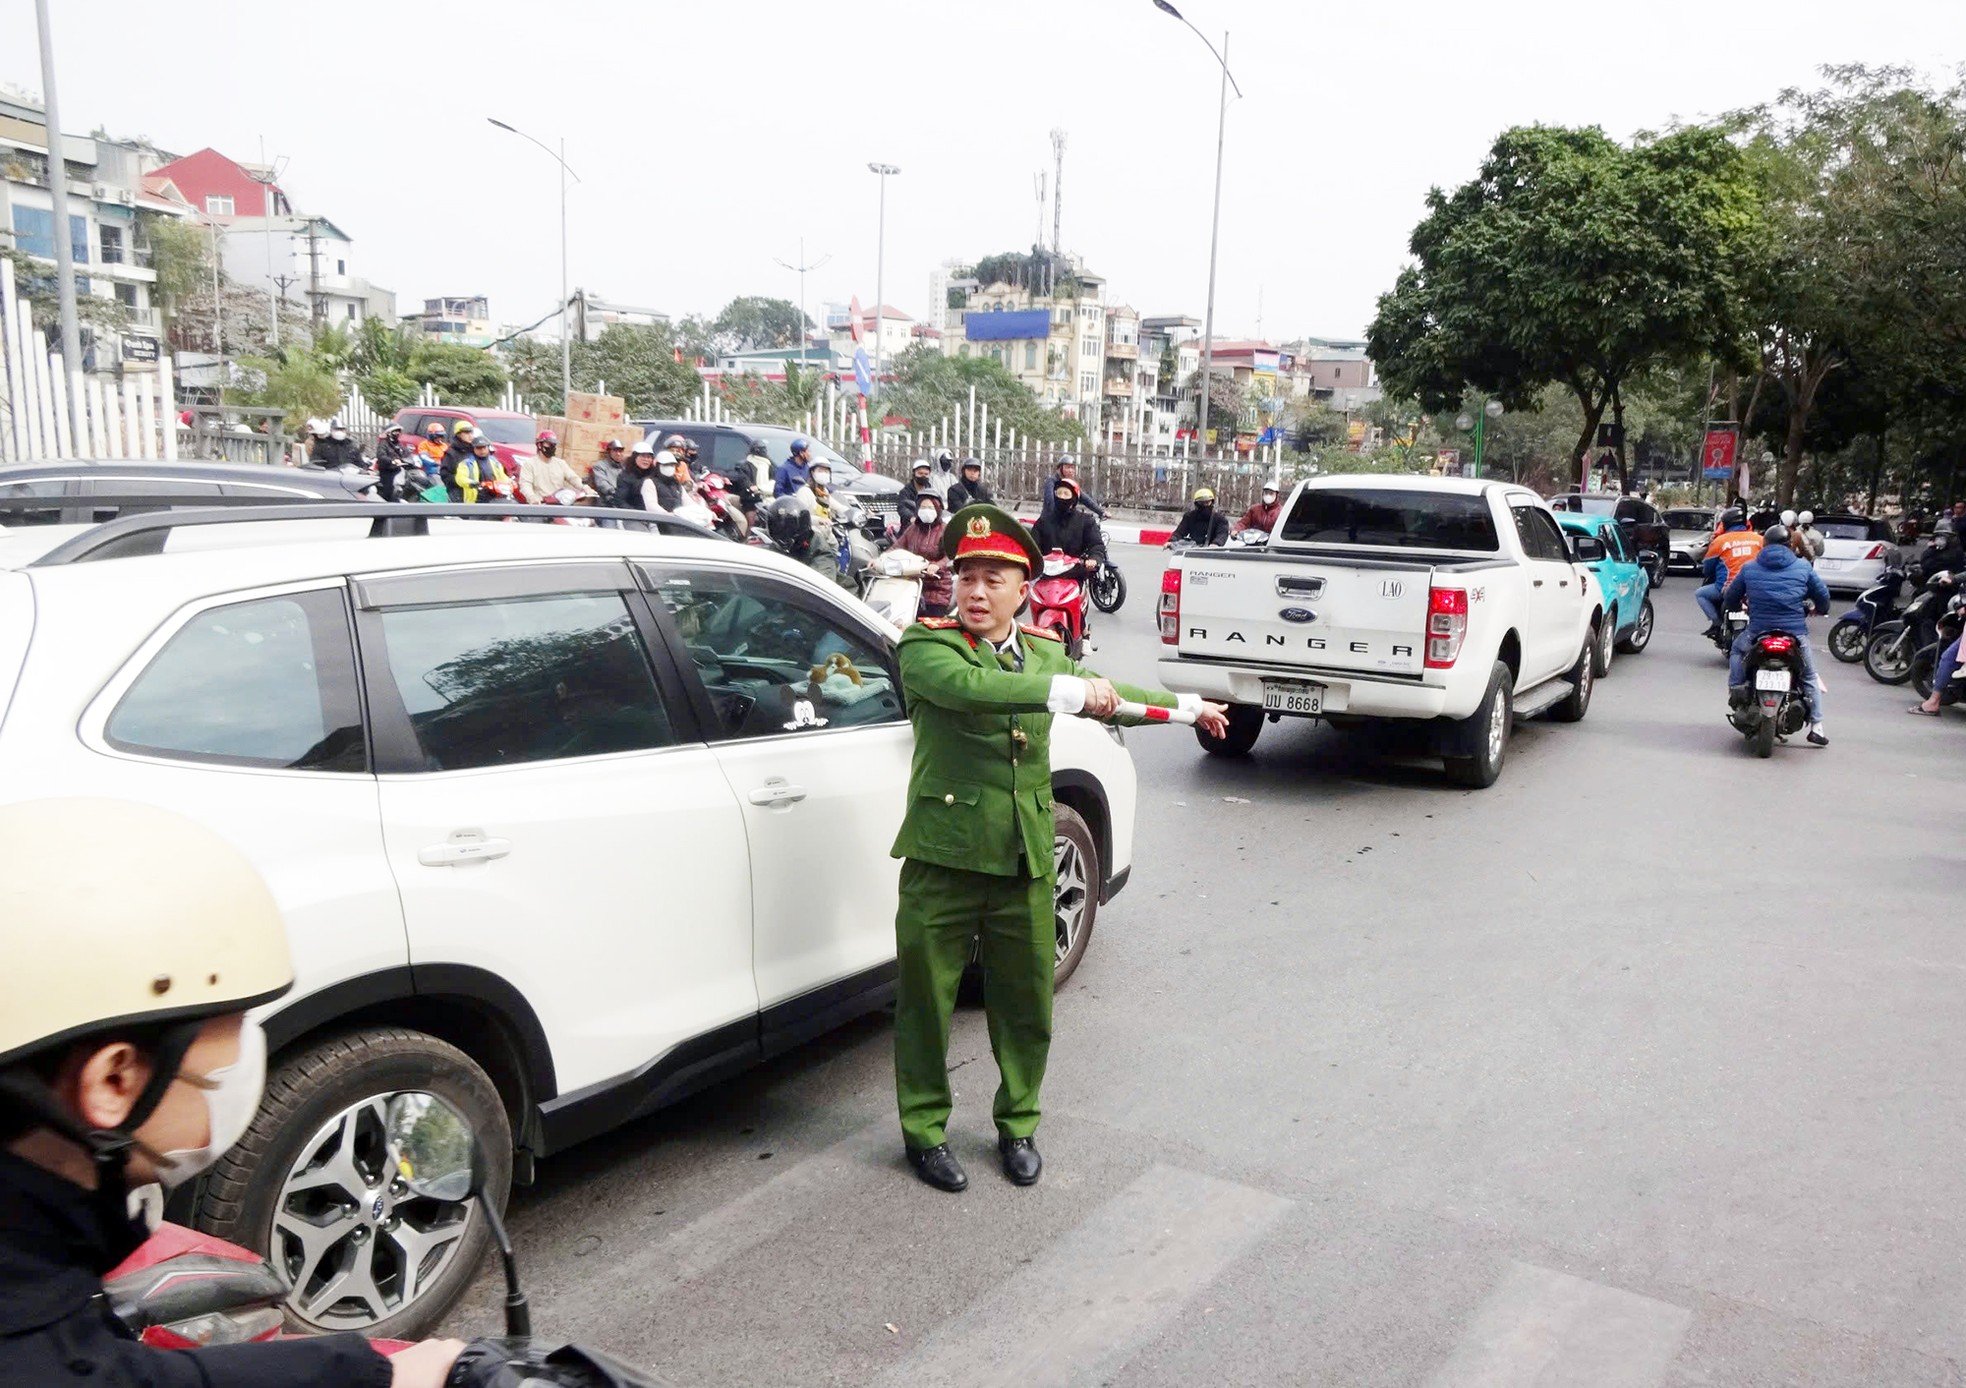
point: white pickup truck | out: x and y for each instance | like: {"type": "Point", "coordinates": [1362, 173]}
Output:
{"type": "Point", "coordinates": [1456, 601]}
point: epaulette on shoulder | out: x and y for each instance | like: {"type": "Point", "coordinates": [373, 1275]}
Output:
{"type": "Point", "coordinates": [1048, 633]}
{"type": "Point", "coordinates": [936, 623]}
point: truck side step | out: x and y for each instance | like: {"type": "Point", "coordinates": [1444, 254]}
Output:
{"type": "Point", "coordinates": [1542, 698]}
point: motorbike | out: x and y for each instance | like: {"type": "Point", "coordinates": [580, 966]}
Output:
{"type": "Point", "coordinates": [1249, 539]}
{"type": "Point", "coordinates": [1109, 584]}
{"type": "Point", "coordinates": [1925, 664]}
{"type": "Point", "coordinates": [1893, 645]}
{"type": "Point", "coordinates": [1775, 707]}
{"type": "Point", "coordinates": [1058, 599]}
{"type": "Point", "coordinates": [1732, 624]}
{"type": "Point", "coordinates": [894, 587]}
{"type": "Point", "coordinates": [184, 1290]}
{"type": "Point", "coordinates": [731, 506]}
{"type": "Point", "coordinates": [862, 536]}
{"type": "Point", "coordinates": [1876, 605]}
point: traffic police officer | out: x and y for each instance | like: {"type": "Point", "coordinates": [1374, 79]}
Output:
{"type": "Point", "coordinates": [976, 838]}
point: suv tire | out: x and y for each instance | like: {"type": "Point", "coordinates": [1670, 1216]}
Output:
{"type": "Point", "coordinates": [1075, 903]}
{"type": "Point", "coordinates": [1582, 679]}
{"type": "Point", "coordinates": [314, 1113]}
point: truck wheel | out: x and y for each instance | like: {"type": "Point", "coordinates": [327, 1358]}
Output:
{"type": "Point", "coordinates": [1607, 631]}
{"type": "Point", "coordinates": [1245, 721]}
{"type": "Point", "coordinates": [310, 1186]}
{"type": "Point", "coordinates": [1640, 636]}
{"type": "Point", "coordinates": [1582, 679]}
{"type": "Point", "coordinates": [1485, 732]}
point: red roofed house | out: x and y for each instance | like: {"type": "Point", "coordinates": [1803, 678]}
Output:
{"type": "Point", "coordinates": [221, 188]}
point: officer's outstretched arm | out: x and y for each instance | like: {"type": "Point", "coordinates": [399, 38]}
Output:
{"type": "Point", "coordinates": [939, 674]}
{"type": "Point", "coordinates": [1134, 694]}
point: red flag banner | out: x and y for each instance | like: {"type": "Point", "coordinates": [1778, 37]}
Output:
{"type": "Point", "coordinates": [1717, 454]}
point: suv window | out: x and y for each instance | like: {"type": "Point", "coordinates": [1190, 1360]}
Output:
{"type": "Point", "coordinates": [1401, 519]}
{"type": "Point", "coordinates": [31, 515]}
{"type": "Point", "coordinates": [270, 682]}
{"type": "Point", "coordinates": [1614, 542]}
{"type": "Point", "coordinates": [772, 661]}
{"type": "Point", "coordinates": [727, 452]}
{"type": "Point", "coordinates": [1539, 534]}
{"type": "Point", "coordinates": [516, 680]}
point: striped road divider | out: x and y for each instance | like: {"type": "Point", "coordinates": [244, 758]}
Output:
{"type": "Point", "coordinates": [1122, 534]}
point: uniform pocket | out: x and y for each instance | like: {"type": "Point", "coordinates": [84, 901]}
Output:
{"type": "Point", "coordinates": [945, 813]}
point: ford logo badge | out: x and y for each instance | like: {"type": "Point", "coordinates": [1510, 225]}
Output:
{"type": "Point", "coordinates": [1298, 614]}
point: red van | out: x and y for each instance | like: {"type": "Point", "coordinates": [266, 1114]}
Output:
{"type": "Point", "coordinates": [512, 435]}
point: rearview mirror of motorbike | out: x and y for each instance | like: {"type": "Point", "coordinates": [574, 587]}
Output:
{"type": "Point", "coordinates": [433, 1148]}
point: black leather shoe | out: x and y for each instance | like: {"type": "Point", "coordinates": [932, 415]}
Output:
{"type": "Point", "coordinates": [938, 1167]}
{"type": "Point", "coordinates": [1021, 1161]}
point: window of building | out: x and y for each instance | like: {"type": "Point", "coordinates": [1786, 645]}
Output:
{"type": "Point", "coordinates": [218, 205]}
{"type": "Point", "coordinates": [110, 239]}
{"type": "Point", "coordinates": [1087, 383]}
{"type": "Point", "coordinates": [1030, 356]}
{"type": "Point", "coordinates": [341, 267]}
{"type": "Point", "coordinates": [519, 680]}
{"type": "Point", "coordinates": [34, 233]}
{"type": "Point", "coordinates": [267, 683]}
{"type": "Point", "coordinates": [126, 295]}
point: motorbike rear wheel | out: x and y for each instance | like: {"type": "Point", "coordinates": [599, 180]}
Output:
{"type": "Point", "coordinates": [1109, 588]}
{"type": "Point", "coordinates": [1763, 738]}
{"type": "Point", "coordinates": [1888, 653]}
{"type": "Point", "coordinates": [1846, 642]}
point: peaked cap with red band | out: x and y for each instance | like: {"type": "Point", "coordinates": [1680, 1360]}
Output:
{"type": "Point", "coordinates": [989, 532]}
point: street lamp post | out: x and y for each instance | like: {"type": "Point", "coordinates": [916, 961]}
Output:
{"type": "Point", "coordinates": [71, 324]}
{"type": "Point", "coordinates": [1490, 409]}
{"type": "Point", "coordinates": [800, 270]}
{"type": "Point", "coordinates": [880, 266]}
{"type": "Point", "coordinates": [566, 340]}
{"type": "Point", "coordinates": [1215, 223]}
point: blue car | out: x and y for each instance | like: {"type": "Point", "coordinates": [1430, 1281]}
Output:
{"type": "Point", "coordinates": [1627, 588]}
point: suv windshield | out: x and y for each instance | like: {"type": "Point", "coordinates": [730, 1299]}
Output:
{"type": "Point", "coordinates": [1585, 505]}
{"type": "Point", "coordinates": [1852, 530]}
{"type": "Point", "coordinates": [1400, 519]}
{"type": "Point", "coordinates": [507, 429]}
{"type": "Point", "coordinates": [1690, 520]}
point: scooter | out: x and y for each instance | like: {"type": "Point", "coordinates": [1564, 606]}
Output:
{"type": "Point", "coordinates": [1893, 645]}
{"type": "Point", "coordinates": [1775, 706]}
{"type": "Point", "coordinates": [731, 506]}
{"type": "Point", "coordinates": [1732, 624]}
{"type": "Point", "coordinates": [1925, 664]}
{"type": "Point", "coordinates": [894, 588]}
{"type": "Point", "coordinates": [183, 1290]}
{"type": "Point", "coordinates": [1058, 599]}
{"type": "Point", "coordinates": [1108, 586]}
{"type": "Point", "coordinates": [1876, 605]}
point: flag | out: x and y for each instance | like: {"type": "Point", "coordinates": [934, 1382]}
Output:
{"type": "Point", "coordinates": [853, 317]}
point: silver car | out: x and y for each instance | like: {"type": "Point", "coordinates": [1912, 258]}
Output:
{"type": "Point", "coordinates": [1690, 530]}
{"type": "Point", "coordinates": [1856, 551]}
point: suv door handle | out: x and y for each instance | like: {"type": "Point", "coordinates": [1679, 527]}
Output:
{"type": "Point", "coordinates": [1537, 581]}
{"type": "Point", "coordinates": [465, 846]}
{"type": "Point", "coordinates": [777, 792]}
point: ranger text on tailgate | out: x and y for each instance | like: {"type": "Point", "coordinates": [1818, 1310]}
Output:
{"type": "Point", "coordinates": [1459, 602]}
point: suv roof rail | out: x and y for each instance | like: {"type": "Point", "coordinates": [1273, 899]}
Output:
{"type": "Point", "coordinates": [129, 536]}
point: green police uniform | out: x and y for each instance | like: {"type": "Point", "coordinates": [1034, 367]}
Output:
{"type": "Point", "coordinates": [976, 841]}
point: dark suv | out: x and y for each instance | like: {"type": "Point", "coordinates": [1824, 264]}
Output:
{"type": "Point", "coordinates": [723, 448]}
{"type": "Point", "coordinates": [1642, 524]}
{"type": "Point", "coordinates": [75, 492]}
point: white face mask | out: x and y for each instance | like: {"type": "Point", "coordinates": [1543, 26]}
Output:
{"type": "Point", "coordinates": [929, 515]}
{"type": "Point", "coordinates": [230, 1103]}
{"type": "Point", "coordinates": [337, 433]}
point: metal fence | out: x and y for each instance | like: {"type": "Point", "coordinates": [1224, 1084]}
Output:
{"type": "Point", "coordinates": [1140, 482]}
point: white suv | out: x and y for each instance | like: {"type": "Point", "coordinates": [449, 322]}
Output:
{"type": "Point", "coordinates": [561, 824]}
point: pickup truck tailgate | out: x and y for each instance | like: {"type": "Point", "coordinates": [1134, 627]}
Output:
{"type": "Point", "coordinates": [1313, 613]}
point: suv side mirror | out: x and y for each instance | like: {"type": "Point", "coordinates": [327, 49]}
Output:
{"type": "Point", "coordinates": [1586, 549]}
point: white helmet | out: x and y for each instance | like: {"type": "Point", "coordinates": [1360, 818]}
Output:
{"type": "Point", "coordinates": [1788, 518]}
{"type": "Point", "coordinates": [318, 428]}
{"type": "Point", "coordinates": [1805, 518]}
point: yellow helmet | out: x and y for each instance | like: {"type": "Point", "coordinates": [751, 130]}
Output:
{"type": "Point", "coordinates": [183, 928]}
{"type": "Point", "coordinates": [1204, 494]}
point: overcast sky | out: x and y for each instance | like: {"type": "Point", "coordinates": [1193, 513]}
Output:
{"type": "Point", "coordinates": [711, 137]}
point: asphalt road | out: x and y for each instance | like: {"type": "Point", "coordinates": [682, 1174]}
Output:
{"type": "Point", "coordinates": [1646, 1066]}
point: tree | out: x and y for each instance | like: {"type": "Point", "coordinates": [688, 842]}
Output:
{"type": "Point", "coordinates": [462, 375]}
{"type": "Point", "coordinates": [758, 322]}
{"type": "Point", "coordinates": [639, 365]}
{"type": "Point", "coordinates": [1575, 261]}
{"type": "Point", "coordinates": [928, 386]}
{"type": "Point", "coordinates": [294, 380]}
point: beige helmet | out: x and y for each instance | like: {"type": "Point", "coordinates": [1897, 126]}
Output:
{"type": "Point", "coordinates": [184, 928]}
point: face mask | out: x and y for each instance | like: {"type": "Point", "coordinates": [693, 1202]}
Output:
{"type": "Point", "coordinates": [929, 515]}
{"type": "Point", "coordinates": [820, 479]}
{"type": "Point", "coordinates": [667, 469]}
{"type": "Point", "coordinates": [232, 1095]}
{"type": "Point", "coordinates": [1066, 503]}
{"type": "Point", "coordinates": [337, 433]}
{"type": "Point", "coordinates": [1205, 506]}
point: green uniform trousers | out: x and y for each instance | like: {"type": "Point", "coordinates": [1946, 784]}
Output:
{"type": "Point", "coordinates": [943, 912]}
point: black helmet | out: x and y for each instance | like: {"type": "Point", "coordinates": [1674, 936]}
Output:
{"type": "Point", "coordinates": [758, 447]}
{"type": "Point", "coordinates": [1776, 534]}
{"type": "Point", "coordinates": [676, 443]}
{"type": "Point", "coordinates": [1732, 516]}
{"type": "Point", "coordinates": [969, 463]}
{"type": "Point", "coordinates": [789, 524]}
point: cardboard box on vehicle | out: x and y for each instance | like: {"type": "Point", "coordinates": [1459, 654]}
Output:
{"type": "Point", "coordinates": [596, 409]}
{"type": "Point", "coordinates": [557, 425]}
{"type": "Point", "coordinates": [582, 441]}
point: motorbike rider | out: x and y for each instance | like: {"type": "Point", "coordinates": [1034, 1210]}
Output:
{"type": "Point", "coordinates": [819, 501]}
{"type": "Point", "coordinates": [1805, 529]}
{"type": "Point", "coordinates": [921, 483]}
{"type": "Point", "coordinates": [1779, 589]}
{"type": "Point", "coordinates": [546, 473]}
{"type": "Point", "coordinates": [1068, 526]}
{"type": "Point", "coordinates": [392, 458]}
{"type": "Point", "coordinates": [432, 448]}
{"type": "Point", "coordinates": [494, 483]}
{"type": "Point", "coordinates": [1733, 547]}
{"type": "Point", "coordinates": [127, 1058]}
{"type": "Point", "coordinates": [1068, 470]}
{"type": "Point", "coordinates": [757, 465]}
{"type": "Point", "coordinates": [1202, 524]}
{"type": "Point", "coordinates": [945, 473]}
{"type": "Point", "coordinates": [459, 471]}
{"type": "Point", "coordinates": [637, 488]}
{"type": "Point", "coordinates": [334, 449]}
{"type": "Point", "coordinates": [790, 476]}
{"type": "Point", "coordinates": [605, 475]}
{"type": "Point", "coordinates": [922, 534]}
{"type": "Point", "coordinates": [968, 489]}
{"type": "Point", "coordinates": [1265, 514]}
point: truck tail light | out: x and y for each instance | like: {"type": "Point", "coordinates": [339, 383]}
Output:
{"type": "Point", "coordinates": [1170, 605]}
{"type": "Point", "coordinates": [1447, 626]}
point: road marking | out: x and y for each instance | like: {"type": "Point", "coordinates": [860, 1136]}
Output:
{"type": "Point", "coordinates": [1551, 1330]}
{"type": "Point", "coordinates": [1080, 1310]}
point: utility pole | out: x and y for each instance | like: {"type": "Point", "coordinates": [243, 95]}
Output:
{"type": "Point", "coordinates": [274, 290]}
{"type": "Point", "coordinates": [801, 268]}
{"type": "Point", "coordinates": [317, 304]}
{"type": "Point", "coordinates": [880, 267]}
{"type": "Point", "coordinates": [1057, 207]}
{"type": "Point", "coordinates": [71, 328]}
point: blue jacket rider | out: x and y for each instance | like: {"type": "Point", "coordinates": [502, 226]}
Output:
{"type": "Point", "coordinates": [1777, 586]}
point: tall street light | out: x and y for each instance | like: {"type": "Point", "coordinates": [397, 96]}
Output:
{"type": "Point", "coordinates": [566, 340]}
{"type": "Point", "coordinates": [880, 265]}
{"type": "Point", "coordinates": [1215, 225]}
{"type": "Point", "coordinates": [71, 325]}
{"type": "Point", "coordinates": [1474, 421]}
{"type": "Point", "coordinates": [800, 270]}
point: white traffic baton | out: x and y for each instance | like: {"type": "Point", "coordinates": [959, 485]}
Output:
{"type": "Point", "coordinates": [1154, 713]}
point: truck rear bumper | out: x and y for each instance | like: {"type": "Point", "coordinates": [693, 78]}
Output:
{"type": "Point", "coordinates": [1359, 696]}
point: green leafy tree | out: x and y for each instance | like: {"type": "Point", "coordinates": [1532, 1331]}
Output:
{"type": "Point", "coordinates": [639, 365]}
{"type": "Point", "coordinates": [928, 386]}
{"type": "Point", "coordinates": [1572, 260]}
{"type": "Point", "coordinates": [387, 390]}
{"type": "Point", "coordinates": [758, 322]}
{"type": "Point", "coordinates": [462, 375]}
{"type": "Point", "coordinates": [294, 380]}
{"type": "Point", "coordinates": [36, 281]}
